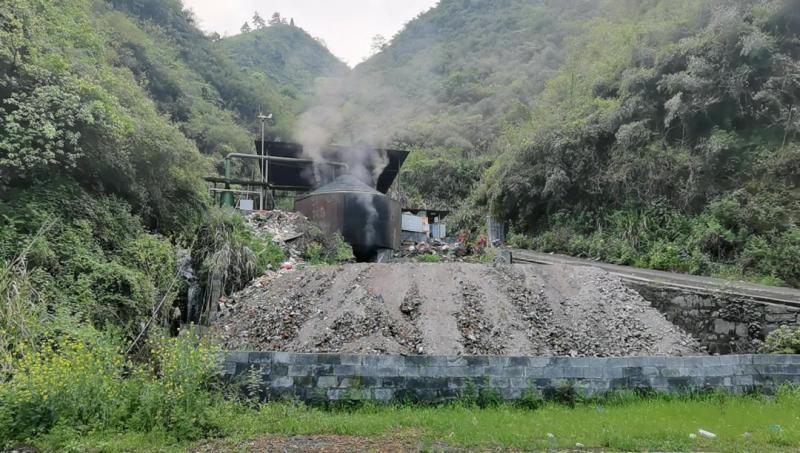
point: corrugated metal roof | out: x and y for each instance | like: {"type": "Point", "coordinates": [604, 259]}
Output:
{"type": "Point", "coordinates": [301, 176]}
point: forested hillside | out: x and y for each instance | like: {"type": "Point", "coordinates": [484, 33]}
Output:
{"type": "Point", "coordinates": [667, 140]}
{"type": "Point", "coordinates": [284, 54]}
{"type": "Point", "coordinates": [111, 112]}
{"type": "Point", "coordinates": [656, 133]}
{"type": "Point", "coordinates": [446, 87]}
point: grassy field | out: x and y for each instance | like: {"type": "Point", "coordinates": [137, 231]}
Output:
{"type": "Point", "coordinates": [755, 424]}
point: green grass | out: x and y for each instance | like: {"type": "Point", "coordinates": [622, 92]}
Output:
{"type": "Point", "coordinates": [631, 424]}
{"type": "Point", "coordinates": [429, 259]}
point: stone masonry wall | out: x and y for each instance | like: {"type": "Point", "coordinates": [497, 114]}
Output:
{"type": "Point", "coordinates": [723, 324]}
{"type": "Point", "coordinates": [325, 377]}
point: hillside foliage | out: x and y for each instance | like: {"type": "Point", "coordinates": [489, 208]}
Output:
{"type": "Point", "coordinates": [654, 133]}
{"type": "Point", "coordinates": [672, 145]}
{"type": "Point", "coordinates": [111, 112]}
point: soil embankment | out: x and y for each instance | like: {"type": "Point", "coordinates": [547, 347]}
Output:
{"type": "Point", "coordinates": [449, 309]}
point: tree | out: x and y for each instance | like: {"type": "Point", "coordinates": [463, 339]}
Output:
{"type": "Point", "coordinates": [258, 21]}
{"type": "Point", "coordinates": [378, 44]}
{"type": "Point", "coordinates": [246, 28]}
{"type": "Point", "coordinates": [291, 23]}
{"type": "Point", "coordinates": [276, 19]}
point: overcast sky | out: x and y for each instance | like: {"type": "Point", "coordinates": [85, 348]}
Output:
{"type": "Point", "coordinates": [346, 26]}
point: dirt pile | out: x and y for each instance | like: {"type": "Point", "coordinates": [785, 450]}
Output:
{"type": "Point", "coordinates": [449, 309]}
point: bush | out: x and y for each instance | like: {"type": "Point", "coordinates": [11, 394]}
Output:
{"type": "Point", "coordinates": [715, 242]}
{"type": "Point", "coordinates": [520, 241]}
{"type": "Point", "coordinates": [783, 340]}
{"type": "Point", "coordinates": [326, 249]}
{"type": "Point", "coordinates": [268, 254]}
{"type": "Point", "coordinates": [88, 256]}
{"type": "Point", "coordinates": [87, 384]}
{"type": "Point", "coordinates": [430, 259]}
{"type": "Point", "coordinates": [531, 399]}
{"type": "Point", "coordinates": [224, 251]}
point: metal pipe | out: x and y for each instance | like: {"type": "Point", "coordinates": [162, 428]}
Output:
{"type": "Point", "coordinates": [264, 165]}
{"type": "Point", "coordinates": [248, 192]}
{"type": "Point", "coordinates": [286, 160]}
{"type": "Point", "coordinates": [227, 197]}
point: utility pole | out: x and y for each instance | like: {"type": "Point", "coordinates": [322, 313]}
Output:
{"type": "Point", "coordinates": [265, 164]}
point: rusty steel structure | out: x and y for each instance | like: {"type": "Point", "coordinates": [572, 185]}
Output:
{"type": "Point", "coordinates": [367, 219]}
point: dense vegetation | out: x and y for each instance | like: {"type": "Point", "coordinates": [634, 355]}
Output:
{"type": "Point", "coordinates": [658, 133]}
{"type": "Point", "coordinates": [285, 54]}
{"type": "Point", "coordinates": [655, 133]}
{"type": "Point", "coordinates": [110, 114]}
{"type": "Point", "coordinates": [672, 145]}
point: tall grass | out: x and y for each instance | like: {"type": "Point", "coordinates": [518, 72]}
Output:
{"type": "Point", "coordinates": [625, 422]}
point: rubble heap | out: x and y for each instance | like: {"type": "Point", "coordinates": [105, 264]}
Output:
{"type": "Point", "coordinates": [448, 309]}
{"type": "Point", "coordinates": [289, 230]}
{"type": "Point", "coordinates": [294, 233]}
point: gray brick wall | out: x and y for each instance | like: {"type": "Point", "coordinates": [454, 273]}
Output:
{"type": "Point", "coordinates": [722, 323]}
{"type": "Point", "coordinates": [326, 377]}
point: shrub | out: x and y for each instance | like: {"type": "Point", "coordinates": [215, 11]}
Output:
{"type": "Point", "coordinates": [223, 250]}
{"type": "Point", "coordinates": [566, 394]}
{"type": "Point", "coordinates": [322, 248]}
{"type": "Point", "coordinates": [775, 257]}
{"type": "Point", "coordinates": [783, 340]}
{"type": "Point", "coordinates": [520, 241]}
{"type": "Point", "coordinates": [86, 383]}
{"type": "Point", "coordinates": [430, 259]}
{"type": "Point", "coordinates": [268, 254]}
{"type": "Point", "coordinates": [531, 399]}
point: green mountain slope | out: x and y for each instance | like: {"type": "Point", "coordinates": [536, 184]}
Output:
{"type": "Point", "coordinates": [465, 69]}
{"type": "Point", "coordinates": [649, 132]}
{"type": "Point", "coordinates": [111, 112]}
{"type": "Point", "coordinates": [667, 140]}
{"type": "Point", "coordinates": [284, 54]}
{"type": "Point", "coordinates": [447, 86]}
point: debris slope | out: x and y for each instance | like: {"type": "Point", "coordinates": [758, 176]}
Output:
{"type": "Point", "coordinates": [448, 309]}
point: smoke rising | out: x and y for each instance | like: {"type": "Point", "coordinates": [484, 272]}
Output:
{"type": "Point", "coordinates": [341, 115]}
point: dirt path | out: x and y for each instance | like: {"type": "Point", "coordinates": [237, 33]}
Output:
{"type": "Point", "coordinates": [449, 309]}
{"type": "Point", "coordinates": [327, 444]}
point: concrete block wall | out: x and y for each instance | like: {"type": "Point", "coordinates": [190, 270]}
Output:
{"type": "Point", "coordinates": [724, 324]}
{"type": "Point", "coordinates": [385, 378]}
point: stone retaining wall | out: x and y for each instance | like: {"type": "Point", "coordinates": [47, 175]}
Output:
{"type": "Point", "coordinates": [324, 377]}
{"type": "Point", "coordinates": [724, 324]}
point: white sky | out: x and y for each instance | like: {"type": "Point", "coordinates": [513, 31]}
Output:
{"type": "Point", "coordinates": [346, 26]}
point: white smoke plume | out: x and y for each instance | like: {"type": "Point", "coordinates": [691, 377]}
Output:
{"type": "Point", "coordinates": [338, 115]}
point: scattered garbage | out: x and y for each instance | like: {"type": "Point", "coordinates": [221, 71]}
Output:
{"type": "Point", "coordinates": [299, 237]}
{"type": "Point", "coordinates": [281, 226]}
{"type": "Point", "coordinates": [706, 434]}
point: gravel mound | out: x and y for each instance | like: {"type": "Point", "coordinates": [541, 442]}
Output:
{"type": "Point", "coordinates": [448, 309]}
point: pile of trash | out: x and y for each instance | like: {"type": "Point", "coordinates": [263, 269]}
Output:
{"type": "Point", "coordinates": [454, 251]}
{"type": "Point", "coordinates": [295, 234]}
{"type": "Point", "coordinates": [281, 226]}
{"type": "Point", "coordinates": [459, 249]}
